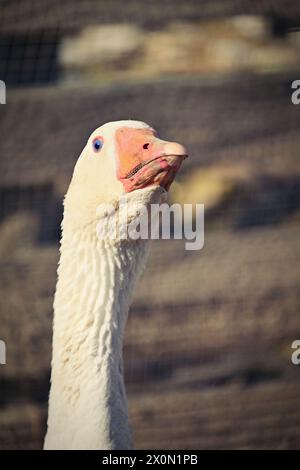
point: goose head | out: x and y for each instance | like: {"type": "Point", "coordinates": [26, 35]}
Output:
{"type": "Point", "coordinates": [121, 157]}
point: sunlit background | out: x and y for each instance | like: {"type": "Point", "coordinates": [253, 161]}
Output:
{"type": "Point", "coordinates": [208, 341]}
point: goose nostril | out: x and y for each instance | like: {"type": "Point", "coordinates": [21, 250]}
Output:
{"type": "Point", "coordinates": [146, 146]}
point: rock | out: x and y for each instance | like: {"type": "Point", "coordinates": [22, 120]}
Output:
{"type": "Point", "coordinates": [100, 45]}
{"type": "Point", "coordinates": [212, 46]}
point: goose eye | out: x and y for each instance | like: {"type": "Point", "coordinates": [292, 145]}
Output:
{"type": "Point", "coordinates": [97, 144]}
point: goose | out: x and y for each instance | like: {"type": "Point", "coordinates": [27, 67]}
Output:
{"type": "Point", "coordinates": [88, 407]}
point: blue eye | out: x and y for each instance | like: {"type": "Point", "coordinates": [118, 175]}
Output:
{"type": "Point", "coordinates": [97, 144]}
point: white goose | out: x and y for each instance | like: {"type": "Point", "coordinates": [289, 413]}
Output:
{"type": "Point", "coordinates": [87, 403]}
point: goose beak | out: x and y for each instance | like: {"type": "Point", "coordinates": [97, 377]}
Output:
{"type": "Point", "coordinates": [148, 160]}
{"type": "Point", "coordinates": [161, 170]}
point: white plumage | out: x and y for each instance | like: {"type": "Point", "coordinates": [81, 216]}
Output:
{"type": "Point", "coordinates": [87, 403]}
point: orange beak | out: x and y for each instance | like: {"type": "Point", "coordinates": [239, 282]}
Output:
{"type": "Point", "coordinates": [145, 160]}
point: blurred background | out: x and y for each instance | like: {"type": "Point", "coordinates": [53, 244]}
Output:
{"type": "Point", "coordinates": [208, 341]}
